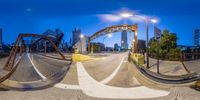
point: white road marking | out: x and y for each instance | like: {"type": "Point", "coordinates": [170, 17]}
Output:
{"type": "Point", "coordinates": [17, 61]}
{"type": "Point", "coordinates": [67, 86]}
{"type": "Point", "coordinates": [39, 73]}
{"type": "Point", "coordinates": [96, 89]}
{"type": "Point", "coordinates": [52, 58]}
{"type": "Point", "coordinates": [109, 78]}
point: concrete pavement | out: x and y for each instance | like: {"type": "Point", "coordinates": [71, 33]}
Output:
{"type": "Point", "coordinates": [193, 66]}
{"type": "Point", "coordinates": [95, 89]}
{"type": "Point", "coordinates": [173, 68]}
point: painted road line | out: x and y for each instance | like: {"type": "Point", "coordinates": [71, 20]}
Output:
{"type": "Point", "coordinates": [125, 61]}
{"type": "Point", "coordinates": [67, 86]}
{"type": "Point", "coordinates": [51, 58]}
{"type": "Point", "coordinates": [38, 72]}
{"type": "Point", "coordinates": [18, 59]}
{"type": "Point", "coordinates": [109, 78]}
{"type": "Point", "coordinates": [93, 88]}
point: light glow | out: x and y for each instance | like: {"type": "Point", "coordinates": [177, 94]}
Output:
{"type": "Point", "coordinates": [154, 21]}
{"type": "Point", "coordinates": [126, 15]}
{"type": "Point", "coordinates": [109, 17]}
{"type": "Point", "coordinates": [109, 35]}
{"type": "Point", "coordinates": [81, 36]}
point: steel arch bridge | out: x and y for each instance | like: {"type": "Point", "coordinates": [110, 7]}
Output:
{"type": "Point", "coordinates": [19, 45]}
{"type": "Point", "coordinates": [117, 28]}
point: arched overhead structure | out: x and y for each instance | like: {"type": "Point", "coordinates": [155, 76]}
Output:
{"type": "Point", "coordinates": [117, 28]}
{"type": "Point", "coordinates": [10, 65]}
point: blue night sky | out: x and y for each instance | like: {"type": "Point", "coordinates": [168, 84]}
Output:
{"type": "Point", "coordinates": [36, 16]}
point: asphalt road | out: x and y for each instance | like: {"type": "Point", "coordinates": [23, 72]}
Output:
{"type": "Point", "coordinates": [27, 70]}
{"type": "Point", "coordinates": [101, 68]}
{"type": "Point", "coordinates": [115, 64]}
{"type": "Point", "coordinates": [2, 62]}
{"type": "Point", "coordinates": [48, 66]}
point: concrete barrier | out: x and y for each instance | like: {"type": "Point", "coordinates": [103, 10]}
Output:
{"type": "Point", "coordinates": [138, 58]}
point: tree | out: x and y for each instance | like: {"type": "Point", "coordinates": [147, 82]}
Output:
{"type": "Point", "coordinates": [168, 41]}
{"type": "Point", "coordinates": [167, 46]}
{"type": "Point", "coordinates": [153, 46]}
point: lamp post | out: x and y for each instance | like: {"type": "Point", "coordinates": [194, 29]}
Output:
{"type": "Point", "coordinates": [147, 41]}
{"type": "Point", "coordinates": [154, 21]}
{"type": "Point", "coordinates": [128, 15]}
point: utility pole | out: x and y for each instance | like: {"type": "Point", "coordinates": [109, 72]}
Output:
{"type": "Point", "coordinates": [147, 43]}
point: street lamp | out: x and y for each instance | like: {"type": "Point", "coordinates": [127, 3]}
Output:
{"type": "Point", "coordinates": [127, 15]}
{"type": "Point", "coordinates": [81, 36]}
{"type": "Point", "coordinates": [110, 35]}
{"type": "Point", "coordinates": [154, 21]}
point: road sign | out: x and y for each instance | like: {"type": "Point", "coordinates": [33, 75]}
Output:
{"type": "Point", "coordinates": [157, 33]}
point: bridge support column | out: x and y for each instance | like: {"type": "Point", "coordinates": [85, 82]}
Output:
{"type": "Point", "coordinates": [135, 44]}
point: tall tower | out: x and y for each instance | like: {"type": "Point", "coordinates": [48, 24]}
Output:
{"type": "Point", "coordinates": [197, 37]}
{"type": "Point", "coordinates": [76, 35]}
{"type": "Point", "coordinates": [124, 42]}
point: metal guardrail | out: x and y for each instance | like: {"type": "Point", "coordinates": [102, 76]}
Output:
{"type": "Point", "coordinates": [167, 79]}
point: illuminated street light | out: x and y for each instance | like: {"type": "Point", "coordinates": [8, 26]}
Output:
{"type": "Point", "coordinates": [126, 15]}
{"type": "Point", "coordinates": [154, 21]}
{"type": "Point", "coordinates": [109, 35]}
{"type": "Point", "coordinates": [81, 36]}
